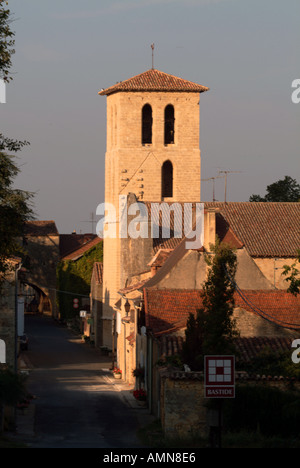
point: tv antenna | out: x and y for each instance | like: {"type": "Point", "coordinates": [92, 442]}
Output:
{"type": "Point", "coordinates": [92, 221]}
{"type": "Point", "coordinates": [213, 182]}
{"type": "Point", "coordinates": [226, 174]}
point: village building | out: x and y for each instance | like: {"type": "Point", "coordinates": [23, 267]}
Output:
{"type": "Point", "coordinates": [153, 159]}
{"type": "Point", "coordinates": [40, 243]}
{"type": "Point", "coordinates": [170, 289]}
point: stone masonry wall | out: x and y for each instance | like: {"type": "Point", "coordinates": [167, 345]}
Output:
{"type": "Point", "coordinates": [183, 410]}
{"type": "Point", "coordinates": [182, 407]}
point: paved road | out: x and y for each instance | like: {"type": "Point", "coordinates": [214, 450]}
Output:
{"type": "Point", "coordinates": [78, 404]}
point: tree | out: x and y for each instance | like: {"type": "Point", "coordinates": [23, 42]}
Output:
{"type": "Point", "coordinates": [213, 330]}
{"type": "Point", "coordinates": [15, 204]}
{"type": "Point", "coordinates": [293, 276]}
{"type": "Point", "coordinates": [285, 190]}
{"type": "Point", "coordinates": [6, 42]}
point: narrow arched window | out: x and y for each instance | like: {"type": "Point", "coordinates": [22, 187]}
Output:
{"type": "Point", "coordinates": [147, 125]}
{"type": "Point", "coordinates": [167, 180]}
{"type": "Point", "coordinates": [169, 125]}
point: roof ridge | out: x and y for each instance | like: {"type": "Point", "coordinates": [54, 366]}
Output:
{"type": "Point", "coordinates": [142, 82]}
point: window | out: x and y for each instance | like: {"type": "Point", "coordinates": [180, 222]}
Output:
{"type": "Point", "coordinates": [147, 125]}
{"type": "Point", "coordinates": [167, 180]}
{"type": "Point", "coordinates": [169, 125]}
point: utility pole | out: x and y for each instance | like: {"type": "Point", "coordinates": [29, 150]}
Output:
{"type": "Point", "coordinates": [226, 173]}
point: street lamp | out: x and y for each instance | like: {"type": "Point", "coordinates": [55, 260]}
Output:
{"type": "Point", "coordinates": [127, 307]}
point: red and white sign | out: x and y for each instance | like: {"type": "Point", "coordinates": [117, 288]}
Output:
{"type": "Point", "coordinates": [219, 376]}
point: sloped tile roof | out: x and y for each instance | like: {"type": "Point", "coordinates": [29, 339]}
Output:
{"type": "Point", "coordinates": [275, 305]}
{"type": "Point", "coordinates": [40, 228]}
{"type": "Point", "coordinates": [154, 80]}
{"type": "Point", "coordinates": [83, 249]}
{"type": "Point", "coordinates": [167, 310]}
{"type": "Point", "coordinates": [247, 348]}
{"type": "Point", "coordinates": [68, 243]}
{"type": "Point", "coordinates": [266, 229]}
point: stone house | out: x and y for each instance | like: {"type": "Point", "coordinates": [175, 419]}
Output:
{"type": "Point", "coordinates": [163, 295]}
{"type": "Point", "coordinates": [41, 244]}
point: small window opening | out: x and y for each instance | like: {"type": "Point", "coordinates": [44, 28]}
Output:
{"type": "Point", "coordinates": [169, 125]}
{"type": "Point", "coordinates": [167, 180]}
{"type": "Point", "coordinates": [147, 125]}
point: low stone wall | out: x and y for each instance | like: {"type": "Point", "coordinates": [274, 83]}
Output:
{"type": "Point", "coordinates": [183, 413]}
{"type": "Point", "coordinates": [183, 407]}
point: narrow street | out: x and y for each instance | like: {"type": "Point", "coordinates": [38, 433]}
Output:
{"type": "Point", "coordinates": [78, 404]}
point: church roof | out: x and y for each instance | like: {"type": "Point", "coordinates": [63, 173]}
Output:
{"type": "Point", "coordinates": [154, 80]}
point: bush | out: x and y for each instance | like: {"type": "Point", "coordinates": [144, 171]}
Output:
{"type": "Point", "coordinates": [269, 362]}
{"type": "Point", "coordinates": [12, 387]}
{"type": "Point", "coordinates": [268, 410]}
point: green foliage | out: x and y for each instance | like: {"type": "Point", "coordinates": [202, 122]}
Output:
{"type": "Point", "coordinates": [293, 276]}
{"type": "Point", "coordinates": [213, 330]}
{"type": "Point", "coordinates": [268, 410]}
{"type": "Point", "coordinates": [6, 42]}
{"type": "Point", "coordinates": [15, 205]}
{"type": "Point", "coordinates": [75, 277]}
{"type": "Point", "coordinates": [270, 362]}
{"type": "Point", "coordinates": [285, 190]}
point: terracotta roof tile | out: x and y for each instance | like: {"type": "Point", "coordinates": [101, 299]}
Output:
{"type": "Point", "coordinates": [247, 348]}
{"type": "Point", "coordinates": [68, 243]}
{"type": "Point", "coordinates": [167, 310]}
{"type": "Point", "coordinates": [154, 80]}
{"type": "Point", "coordinates": [266, 229]}
{"type": "Point", "coordinates": [81, 251]}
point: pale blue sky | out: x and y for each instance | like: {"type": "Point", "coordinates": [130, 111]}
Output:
{"type": "Point", "coordinates": [246, 52]}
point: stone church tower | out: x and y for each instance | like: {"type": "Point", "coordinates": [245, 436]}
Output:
{"type": "Point", "coordinates": [153, 128]}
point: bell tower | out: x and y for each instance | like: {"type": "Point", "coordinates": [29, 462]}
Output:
{"type": "Point", "coordinates": [153, 139]}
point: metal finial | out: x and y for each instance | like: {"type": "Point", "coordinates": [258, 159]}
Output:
{"type": "Point", "coordinates": [152, 47]}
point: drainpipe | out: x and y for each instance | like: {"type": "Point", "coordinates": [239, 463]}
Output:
{"type": "Point", "coordinates": [150, 373]}
{"type": "Point", "coordinates": [124, 350]}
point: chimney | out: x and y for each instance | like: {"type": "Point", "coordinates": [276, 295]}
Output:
{"type": "Point", "coordinates": [209, 227]}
